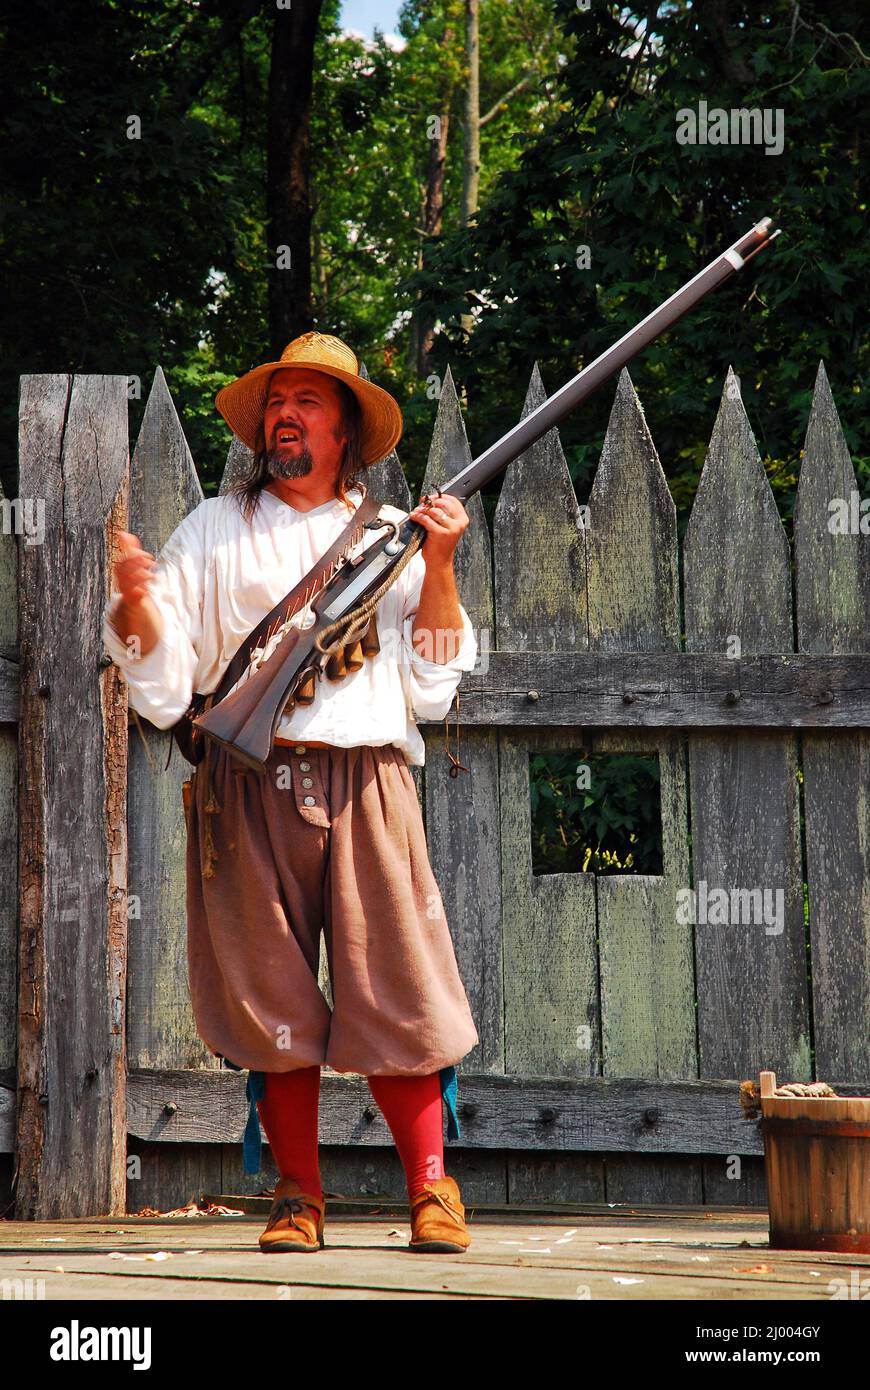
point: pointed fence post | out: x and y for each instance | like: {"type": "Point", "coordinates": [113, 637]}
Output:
{"type": "Point", "coordinates": [634, 606]}
{"type": "Point", "coordinates": [832, 582]}
{"type": "Point", "coordinates": [164, 489]}
{"type": "Point", "coordinates": [646, 965]}
{"type": "Point", "coordinates": [462, 811]}
{"type": "Point", "coordinates": [752, 974]}
{"type": "Point", "coordinates": [71, 1120]}
{"type": "Point", "coordinates": [548, 920]}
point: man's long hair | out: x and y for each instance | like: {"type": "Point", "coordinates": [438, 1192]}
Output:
{"type": "Point", "coordinates": [248, 487]}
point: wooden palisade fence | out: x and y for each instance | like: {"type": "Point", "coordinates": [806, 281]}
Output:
{"type": "Point", "coordinates": [612, 1033]}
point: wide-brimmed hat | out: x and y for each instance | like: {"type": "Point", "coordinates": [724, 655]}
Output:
{"type": "Point", "coordinates": [242, 402]}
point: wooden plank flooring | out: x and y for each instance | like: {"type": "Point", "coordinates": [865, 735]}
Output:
{"type": "Point", "coordinates": [632, 1254]}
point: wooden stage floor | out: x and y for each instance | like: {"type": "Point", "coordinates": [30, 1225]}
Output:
{"type": "Point", "coordinates": [621, 1253]}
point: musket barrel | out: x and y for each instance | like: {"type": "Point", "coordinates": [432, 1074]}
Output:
{"type": "Point", "coordinates": [554, 409]}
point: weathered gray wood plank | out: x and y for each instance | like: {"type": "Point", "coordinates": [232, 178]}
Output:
{"type": "Point", "coordinates": [631, 542]}
{"type": "Point", "coordinates": [552, 1016]}
{"type": "Point", "coordinates": [539, 548]}
{"type": "Point", "coordinates": [72, 832]}
{"type": "Point", "coordinates": [163, 1177]}
{"type": "Point", "coordinates": [648, 1022]}
{"type": "Point", "coordinates": [751, 975]}
{"type": "Point", "coordinates": [832, 595]}
{"type": "Point", "coordinates": [646, 960]}
{"type": "Point", "coordinates": [239, 461]}
{"type": "Point", "coordinates": [671, 690]}
{"type": "Point", "coordinates": [646, 968]}
{"type": "Point", "coordinates": [162, 1032]}
{"type": "Point", "coordinates": [832, 583]}
{"type": "Point", "coordinates": [523, 1112]}
{"type": "Point", "coordinates": [735, 1184]}
{"type": "Point", "coordinates": [556, 1177]}
{"type": "Point", "coordinates": [9, 689]}
{"type": "Point", "coordinates": [552, 1020]}
{"type": "Point", "coordinates": [8, 892]}
{"type": "Point", "coordinates": [7, 1118]}
{"type": "Point", "coordinates": [673, 1180]}
{"type": "Point", "coordinates": [13, 513]}
{"type": "Point", "coordinates": [8, 785]}
{"type": "Point", "coordinates": [462, 812]}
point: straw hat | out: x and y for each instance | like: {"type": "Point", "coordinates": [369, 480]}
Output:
{"type": "Point", "coordinates": [242, 402]}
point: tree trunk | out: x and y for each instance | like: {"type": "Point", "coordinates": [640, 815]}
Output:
{"type": "Point", "coordinates": [288, 157]}
{"type": "Point", "coordinates": [320, 277]}
{"type": "Point", "coordinates": [471, 162]}
{"type": "Point", "coordinates": [432, 221]}
{"type": "Point", "coordinates": [720, 45]}
{"type": "Point", "coordinates": [413, 357]}
{"type": "Point", "coordinates": [471, 168]}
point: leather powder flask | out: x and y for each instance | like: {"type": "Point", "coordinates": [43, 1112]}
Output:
{"type": "Point", "coordinates": [344, 662]}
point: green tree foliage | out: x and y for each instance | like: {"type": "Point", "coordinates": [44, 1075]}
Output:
{"type": "Point", "coordinates": [371, 169]}
{"type": "Point", "coordinates": [110, 243]}
{"type": "Point", "coordinates": [121, 253]}
{"type": "Point", "coordinates": [606, 820]}
{"type": "Point", "coordinates": [608, 173]}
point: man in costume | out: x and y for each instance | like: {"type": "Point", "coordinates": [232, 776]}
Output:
{"type": "Point", "coordinates": [331, 836]}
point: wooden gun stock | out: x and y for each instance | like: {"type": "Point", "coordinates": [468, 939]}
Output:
{"type": "Point", "coordinates": [245, 721]}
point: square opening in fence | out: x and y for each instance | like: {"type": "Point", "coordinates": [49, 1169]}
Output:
{"type": "Point", "coordinates": [595, 813]}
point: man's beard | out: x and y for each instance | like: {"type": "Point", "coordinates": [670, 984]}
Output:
{"type": "Point", "coordinates": [291, 465]}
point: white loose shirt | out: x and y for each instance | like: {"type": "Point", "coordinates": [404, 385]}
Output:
{"type": "Point", "coordinates": [217, 577]}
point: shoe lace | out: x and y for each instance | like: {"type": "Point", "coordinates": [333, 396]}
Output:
{"type": "Point", "coordinates": [444, 1201]}
{"type": "Point", "coordinates": [289, 1206]}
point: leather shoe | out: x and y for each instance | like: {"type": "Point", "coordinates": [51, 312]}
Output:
{"type": "Point", "coordinates": [295, 1221]}
{"type": "Point", "coordinates": [438, 1219]}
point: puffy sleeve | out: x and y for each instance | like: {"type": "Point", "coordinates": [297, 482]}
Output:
{"type": "Point", "coordinates": [162, 682]}
{"type": "Point", "coordinates": [432, 683]}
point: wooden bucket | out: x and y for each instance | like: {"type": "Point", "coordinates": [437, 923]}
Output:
{"type": "Point", "coordinates": [817, 1166]}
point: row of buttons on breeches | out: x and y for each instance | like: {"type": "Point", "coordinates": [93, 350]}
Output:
{"type": "Point", "coordinates": [306, 781]}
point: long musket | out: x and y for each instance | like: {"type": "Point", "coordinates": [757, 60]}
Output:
{"type": "Point", "coordinates": [245, 721]}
